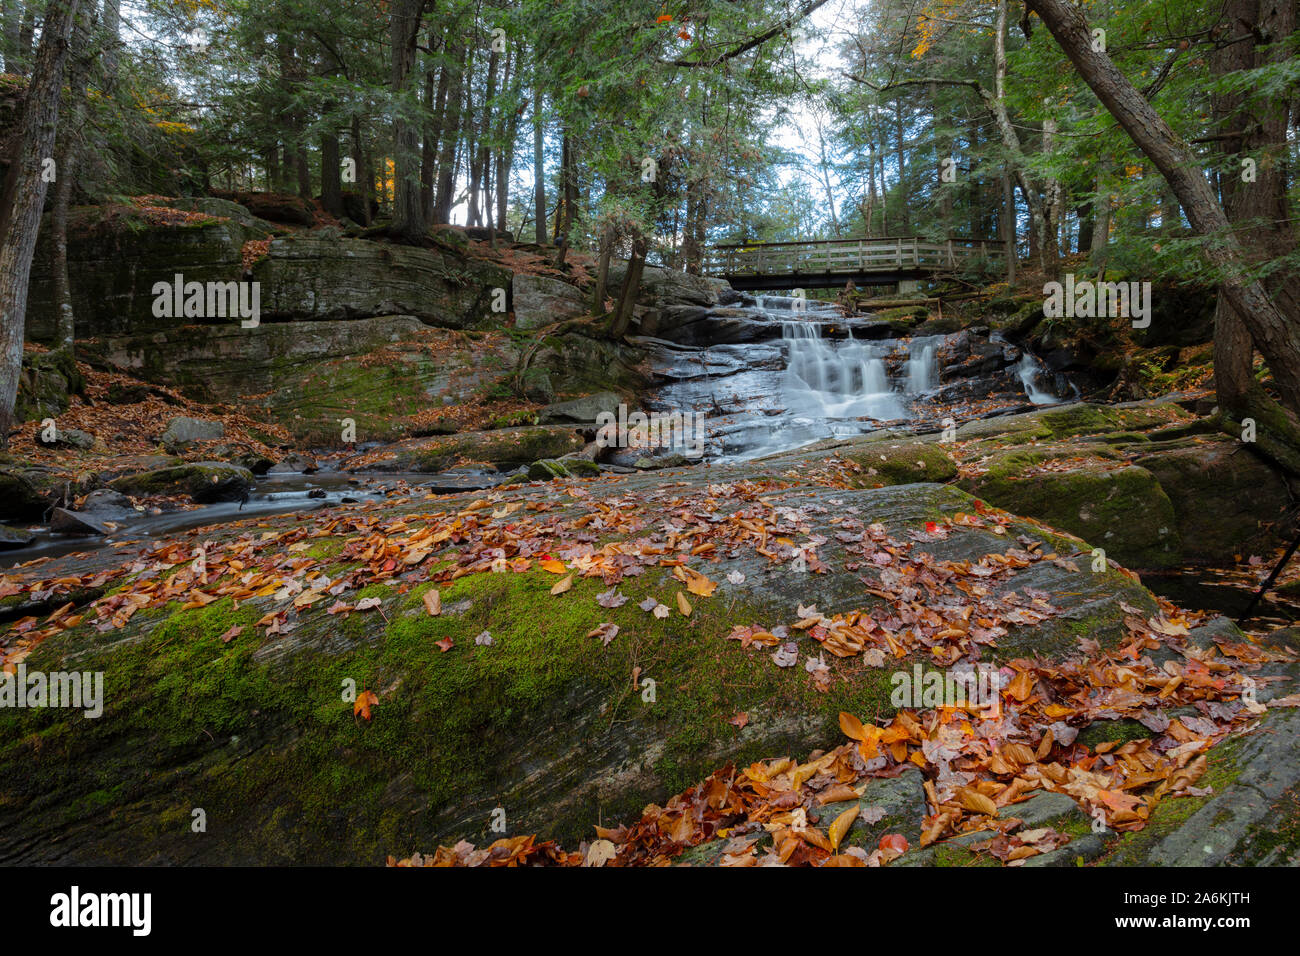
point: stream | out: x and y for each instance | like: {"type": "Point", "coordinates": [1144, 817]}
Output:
{"type": "Point", "coordinates": [803, 372]}
{"type": "Point", "coordinates": [271, 495]}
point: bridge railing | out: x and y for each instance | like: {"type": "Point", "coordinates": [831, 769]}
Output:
{"type": "Point", "coordinates": [831, 256]}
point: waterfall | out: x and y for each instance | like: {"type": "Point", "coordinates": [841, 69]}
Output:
{"type": "Point", "coordinates": [1030, 375]}
{"type": "Point", "coordinates": [825, 378]}
{"type": "Point", "coordinates": [922, 367]}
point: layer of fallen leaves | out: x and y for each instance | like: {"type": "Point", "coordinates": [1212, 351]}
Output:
{"type": "Point", "coordinates": [976, 766]}
{"type": "Point", "coordinates": [133, 428]}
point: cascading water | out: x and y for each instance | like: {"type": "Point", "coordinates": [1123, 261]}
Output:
{"type": "Point", "coordinates": [1032, 375]}
{"type": "Point", "coordinates": [922, 366]}
{"type": "Point", "coordinates": [830, 379]}
{"type": "Point", "coordinates": [786, 372]}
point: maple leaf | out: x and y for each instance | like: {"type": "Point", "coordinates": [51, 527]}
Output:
{"type": "Point", "coordinates": [599, 853]}
{"type": "Point", "coordinates": [698, 584]}
{"type": "Point", "coordinates": [892, 846]}
{"type": "Point", "coordinates": [739, 720]}
{"type": "Point", "coordinates": [445, 644]}
{"type": "Point", "coordinates": [611, 598]}
{"type": "Point", "coordinates": [365, 700]}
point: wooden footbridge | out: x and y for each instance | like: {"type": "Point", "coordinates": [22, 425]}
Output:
{"type": "Point", "coordinates": [825, 263]}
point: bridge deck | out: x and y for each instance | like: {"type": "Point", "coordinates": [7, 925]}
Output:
{"type": "Point", "coordinates": [832, 262]}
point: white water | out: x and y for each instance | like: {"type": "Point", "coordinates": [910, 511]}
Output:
{"type": "Point", "coordinates": [1030, 375]}
{"type": "Point", "coordinates": [922, 366]}
{"type": "Point", "coordinates": [828, 378]}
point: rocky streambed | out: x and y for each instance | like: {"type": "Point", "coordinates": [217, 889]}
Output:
{"type": "Point", "coordinates": [543, 681]}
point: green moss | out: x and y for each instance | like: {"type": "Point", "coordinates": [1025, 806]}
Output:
{"type": "Point", "coordinates": [897, 463]}
{"type": "Point", "coordinates": [1123, 510]}
{"type": "Point", "coordinates": [949, 854]}
{"type": "Point", "coordinates": [1120, 731]}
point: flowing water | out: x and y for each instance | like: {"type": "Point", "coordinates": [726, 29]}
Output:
{"type": "Point", "coordinates": [813, 373]}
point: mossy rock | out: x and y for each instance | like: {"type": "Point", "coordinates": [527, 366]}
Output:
{"type": "Point", "coordinates": [901, 462]}
{"type": "Point", "coordinates": [46, 384]}
{"type": "Point", "coordinates": [204, 481]}
{"type": "Point", "coordinates": [501, 446]}
{"type": "Point", "coordinates": [20, 498]}
{"type": "Point", "coordinates": [544, 721]}
{"type": "Point", "coordinates": [1122, 510]}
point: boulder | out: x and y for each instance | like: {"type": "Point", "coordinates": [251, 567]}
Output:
{"type": "Point", "coordinates": [13, 538]}
{"type": "Point", "coordinates": [204, 482]}
{"type": "Point", "coordinates": [226, 209]}
{"type": "Point", "coordinates": [63, 521]}
{"type": "Point", "coordinates": [500, 446]}
{"type": "Point", "coordinates": [239, 726]}
{"type": "Point", "coordinates": [46, 384]}
{"type": "Point", "coordinates": [273, 207]}
{"type": "Point", "coordinates": [72, 437]}
{"type": "Point", "coordinates": [106, 504]}
{"type": "Point", "coordinates": [182, 432]}
{"type": "Point", "coordinates": [580, 410]}
{"type": "Point", "coordinates": [294, 465]}
{"type": "Point", "coordinates": [114, 262]}
{"type": "Point", "coordinates": [570, 467]}
{"type": "Point", "coordinates": [667, 287]}
{"type": "Point", "coordinates": [541, 300]}
{"type": "Point", "coordinates": [27, 494]}
{"type": "Point", "coordinates": [213, 360]}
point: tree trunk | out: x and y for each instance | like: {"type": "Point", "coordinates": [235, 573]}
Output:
{"type": "Point", "coordinates": [1009, 225]}
{"type": "Point", "coordinates": [539, 169]}
{"type": "Point", "coordinates": [631, 286]}
{"type": "Point", "coordinates": [365, 181]}
{"type": "Point", "coordinates": [65, 165]}
{"type": "Point", "coordinates": [479, 206]}
{"type": "Point", "coordinates": [429, 141]}
{"type": "Point", "coordinates": [506, 152]}
{"type": "Point", "coordinates": [112, 12]}
{"type": "Point", "coordinates": [602, 273]}
{"type": "Point", "coordinates": [450, 137]}
{"type": "Point", "coordinates": [331, 171]}
{"type": "Point", "coordinates": [1051, 216]}
{"type": "Point", "coordinates": [1258, 210]}
{"type": "Point", "coordinates": [1274, 325]}
{"type": "Point", "coordinates": [408, 214]}
{"type": "Point", "coordinates": [26, 31]}
{"type": "Point", "coordinates": [13, 27]}
{"type": "Point", "coordinates": [1100, 224]}
{"type": "Point", "coordinates": [24, 194]}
